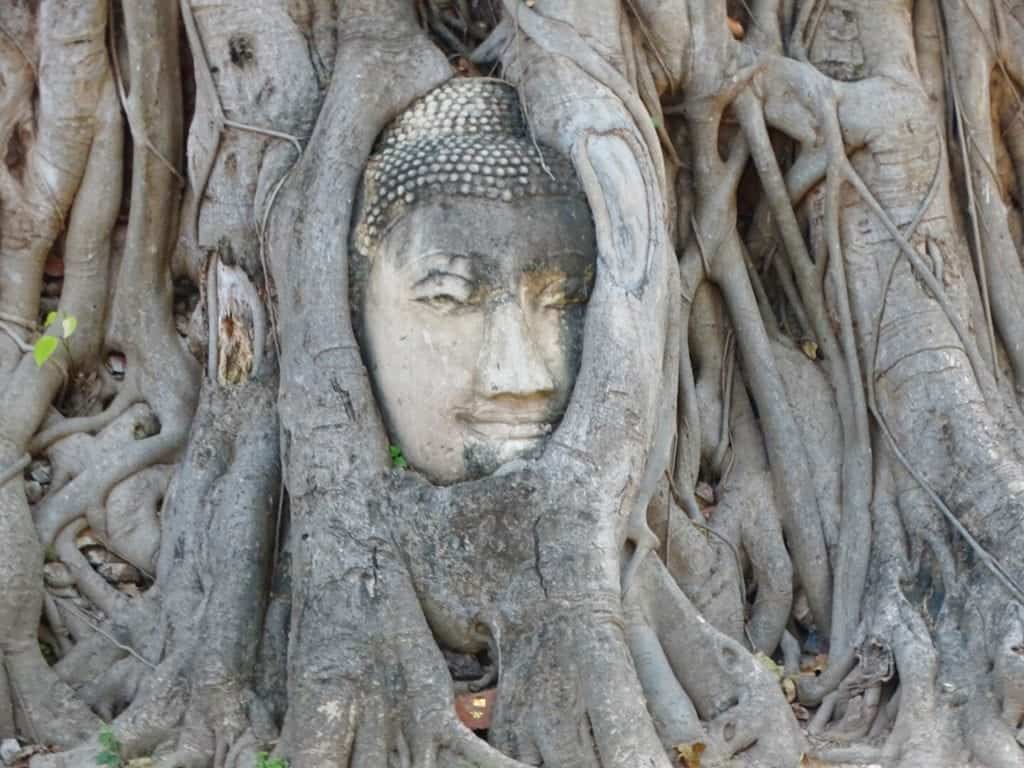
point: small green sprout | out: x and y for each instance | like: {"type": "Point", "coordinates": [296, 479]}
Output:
{"type": "Point", "coordinates": [110, 752]}
{"type": "Point", "coordinates": [44, 348]}
{"type": "Point", "coordinates": [397, 459]}
{"type": "Point", "coordinates": [264, 760]}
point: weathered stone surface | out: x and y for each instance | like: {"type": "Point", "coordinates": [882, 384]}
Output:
{"type": "Point", "coordinates": [461, 307]}
{"type": "Point", "coordinates": [467, 138]}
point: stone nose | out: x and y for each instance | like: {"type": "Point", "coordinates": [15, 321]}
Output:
{"type": "Point", "coordinates": [510, 362]}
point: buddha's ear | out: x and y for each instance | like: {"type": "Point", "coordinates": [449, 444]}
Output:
{"type": "Point", "coordinates": [332, 399]}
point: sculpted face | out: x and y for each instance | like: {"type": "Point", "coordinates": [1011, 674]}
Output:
{"type": "Point", "coordinates": [471, 320]}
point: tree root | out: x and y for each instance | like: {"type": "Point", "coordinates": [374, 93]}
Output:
{"type": "Point", "coordinates": [747, 716]}
{"type": "Point", "coordinates": [707, 566]}
{"type": "Point", "coordinates": [112, 694]}
{"type": "Point", "coordinates": [124, 399]}
{"type": "Point", "coordinates": [51, 711]}
{"type": "Point", "coordinates": [366, 683]}
{"type": "Point", "coordinates": [90, 583]}
{"type": "Point", "coordinates": [91, 487]}
{"type": "Point", "coordinates": [588, 714]}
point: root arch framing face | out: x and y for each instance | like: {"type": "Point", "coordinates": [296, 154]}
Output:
{"type": "Point", "coordinates": [649, 371]}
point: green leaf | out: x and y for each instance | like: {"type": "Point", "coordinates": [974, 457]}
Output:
{"type": "Point", "coordinates": [70, 323]}
{"type": "Point", "coordinates": [110, 754]}
{"type": "Point", "coordinates": [109, 741]}
{"type": "Point", "coordinates": [264, 760]}
{"type": "Point", "coordinates": [43, 348]}
{"type": "Point", "coordinates": [398, 461]}
{"type": "Point", "coordinates": [50, 319]}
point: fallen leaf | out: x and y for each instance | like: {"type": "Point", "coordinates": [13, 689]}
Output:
{"type": "Point", "coordinates": [810, 349]}
{"type": "Point", "coordinates": [816, 664]}
{"type": "Point", "coordinates": [789, 689]}
{"type": "Point", "coordinates": [689, 754]}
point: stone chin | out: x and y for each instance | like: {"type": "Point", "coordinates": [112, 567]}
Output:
{"type": "Point", "coordinates": [485, 458]}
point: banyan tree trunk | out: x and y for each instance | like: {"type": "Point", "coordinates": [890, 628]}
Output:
{"type": "Point", "coordinates": [779, 521]}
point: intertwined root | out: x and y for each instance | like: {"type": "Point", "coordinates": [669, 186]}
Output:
{"type": "Point", "coordinates": [747, 717]}
{"type": "Point", "coordinates": [576, 666]}
{"type": "Point", "coordinates": [567, 674]}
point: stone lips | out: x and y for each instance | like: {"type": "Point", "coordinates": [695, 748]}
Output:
{"type": "Point", "coordinates": [466, 138]}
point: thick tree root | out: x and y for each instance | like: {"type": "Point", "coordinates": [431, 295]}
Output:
{"type": "Point", "coordinates": [748, 718]}
{"type": "Point", "coordinates": [52, 714]}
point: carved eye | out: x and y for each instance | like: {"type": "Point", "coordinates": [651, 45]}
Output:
{"type": "Point", "coordinates": [445, 291]}
{"type": "Point", "coordinates": [442, 301]}
{"type": "Point", "coordinates": [563, 293]}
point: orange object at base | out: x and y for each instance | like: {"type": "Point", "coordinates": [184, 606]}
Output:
{"type": "Point", "coordinates": [474, 709]}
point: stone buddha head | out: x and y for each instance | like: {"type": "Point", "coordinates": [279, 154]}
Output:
{"type": "Point", "coordinates": [473, 260]}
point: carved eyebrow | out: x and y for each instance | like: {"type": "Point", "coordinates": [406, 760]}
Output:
{"type": "Point", "coordinates": [437, 263]}
{"type": "Point", "coordinates": [448, 256]}
{"type": "Point", "coordinates": [438, 259]}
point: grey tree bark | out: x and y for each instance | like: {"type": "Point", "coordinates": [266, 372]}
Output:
{"type": "Point", "coordinates": [779, 523]}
